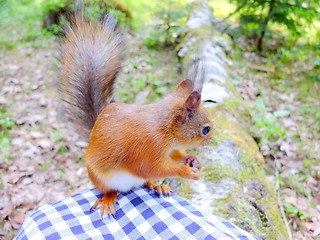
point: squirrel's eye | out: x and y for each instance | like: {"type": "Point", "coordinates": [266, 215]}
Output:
{"type": "Point", "coordinates": [206, 130]}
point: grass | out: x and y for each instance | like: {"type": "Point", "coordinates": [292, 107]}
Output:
{"type": "Point", "coordinates": [6, 124]}
{"type": "Point", "coordinates": [149, 71]}
{"type": "Point", "coordinates": [267, 124]}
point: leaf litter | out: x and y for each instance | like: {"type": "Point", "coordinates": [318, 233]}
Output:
{"type": "Point", "coordinates": [293, 158]}
{"type": "Point", "coordinates": [42, 167]}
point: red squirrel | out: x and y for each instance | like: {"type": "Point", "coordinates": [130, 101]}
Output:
{"type": "Point", "coordinates": [129, 145]}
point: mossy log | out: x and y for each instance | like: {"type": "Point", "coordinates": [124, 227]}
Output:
{"type": "Point", "coordinates": [233, 183]}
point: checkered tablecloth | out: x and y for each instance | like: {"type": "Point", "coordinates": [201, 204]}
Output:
{"type": "Point", "coordinates": [140, 214]}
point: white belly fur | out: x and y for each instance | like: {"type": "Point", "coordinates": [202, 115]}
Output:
{"type": "Point", "coordinates": [123, 181]}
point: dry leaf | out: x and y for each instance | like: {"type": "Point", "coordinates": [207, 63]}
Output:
{"type": "Point", "coordinates": [12, 177]}
{"type": "Point", "coordinates": [44, 143]}
{"type": "Point", "coordinates": [36, 134]}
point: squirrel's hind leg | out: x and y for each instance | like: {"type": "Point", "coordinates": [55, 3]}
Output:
{"type": "Point", "coordinates": [110, 197]}
{"type": "Point", "coordinates": [106, 203]}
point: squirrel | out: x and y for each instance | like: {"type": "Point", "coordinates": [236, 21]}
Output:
{"type": "Point", "coordinates": [129, 145]}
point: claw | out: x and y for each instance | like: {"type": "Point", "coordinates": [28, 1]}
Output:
{"type": "Point", "coordinates": [158, 190]}
{"type": "Point", "coordinates": [111, 208]}
{"type": "Point", "coordinates": [106, 204]}
{"type": "Point", "coordinates": [101, 209]}
{"type": "Point", "coordinates": [95, 205]}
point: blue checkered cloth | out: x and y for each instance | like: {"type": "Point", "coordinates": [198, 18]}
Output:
{"type": "Point", "coordinates": [140, 214]}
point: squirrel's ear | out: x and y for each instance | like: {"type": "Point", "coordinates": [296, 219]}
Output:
{"type": "Point", "coordinates": [193, 101]}
{"type": "Point", "coordinates": [185, 85]}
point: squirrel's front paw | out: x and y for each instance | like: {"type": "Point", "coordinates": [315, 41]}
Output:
{"type": "Point", "coordinates": [188, 172]}
{"type": "Point", "coordinates": [192, 162]}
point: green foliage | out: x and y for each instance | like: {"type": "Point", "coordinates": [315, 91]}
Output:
{"type": "Point", "coordinates": [154, 39]}
{"type": "Point", "coordinates": [293, 211]}
{"type": "Point", "coordinates": [63, 149]}
{"type": "Point", "coordinates": [6, 124]}
{"type": "Point", "coordinates": [96, 8]}
{"type": "Point", "coordinates": [171, 17]}
{"type": "Point", "coordinates": [267, 124]}
{"type": "Point", "coordinates": [27, 18]}
{"type": "Point", "coordinates": [57, 136]}
{"type": "Point", "coordinates": [297, 182]}
{"type": "Point", "coordinates": [257, 15]}
{"type": "Point", "coordinates": [148, 82]}
{"type": "Point", "coordinates": [308, 164]}
{"type": "Point", "coordinates": [292, 62]}
{"type": "Point", "coordinates": [43, 166]}
{"type": "Point", "coordinates": [132, 88]}
{"type": "Point", "coordinates": [35, 20]}
{"type": "Point", "coordinates": [316, 63]}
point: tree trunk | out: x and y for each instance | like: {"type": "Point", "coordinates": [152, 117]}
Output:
{"type": "Point", "coordinates": [233, 182]}
{"type": "Point", "coordinates": [265, 25]}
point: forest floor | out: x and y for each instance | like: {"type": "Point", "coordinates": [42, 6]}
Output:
{"type": "Point", "coordinates": [41, 157]}
{"type": "Point", "coordinates": [283, 91]}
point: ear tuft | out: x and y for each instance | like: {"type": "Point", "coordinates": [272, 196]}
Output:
{"type": "Point", "coordinates": [193, 101]}
{"type": "Point", "coordinates": [186, 85]}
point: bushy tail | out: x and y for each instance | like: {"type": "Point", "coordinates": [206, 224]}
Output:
{"type": "Point", "coordinates": [90, 60]}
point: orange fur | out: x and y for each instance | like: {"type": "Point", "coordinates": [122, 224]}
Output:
{"type": "Point", "coordinates": [177, 155]}
{"type": "Point", "coordinates": [143, 139]}
{"type": "Point", "coordinates": [128, 142]}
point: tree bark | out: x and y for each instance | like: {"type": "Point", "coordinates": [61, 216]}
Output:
{"type": "Point", "coordinates": [265, 25]}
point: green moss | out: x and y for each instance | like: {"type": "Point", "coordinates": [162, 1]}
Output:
{"type": "Point", "coordinates": [184, 189]}
{"type": "Point", "coordinates": [259, 216]}
{"type": "Point", "coordinates": [217, 172]}
{"type": "Point", "coordinates": [235, 93]}
{"type": "Point", "coordinates": [204, 32]}
{"type": "Point", "coordinates": [243, 206]}
{"type": "Point", "coordinates": [228, 129]}
{"type": "Point", "coordinates": [263, 221]}
{"type": "Point", "coordinates": [238, 109]}
{"type": "Point", "coordinates": [214, 142]}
